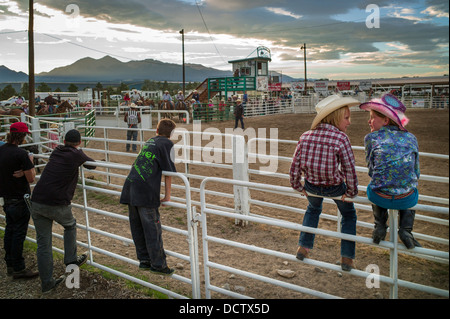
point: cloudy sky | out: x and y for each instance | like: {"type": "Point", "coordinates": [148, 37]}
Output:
{"type": "Point", "coordinates": [349, 39]}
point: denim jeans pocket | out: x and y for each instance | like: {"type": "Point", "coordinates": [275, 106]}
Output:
{"type": "Point", "coordinates": [328, 191]}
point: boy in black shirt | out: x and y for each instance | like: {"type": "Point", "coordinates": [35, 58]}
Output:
{"type": "Point", "coordinates": [141, 191]}
{"type": "Point", "coordinates": [51, 200]}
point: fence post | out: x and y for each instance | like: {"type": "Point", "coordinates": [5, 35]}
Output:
{"type": "Point", "coordinates": [36, 134]}
{"type": "Point", "coordinates": [393, 236]}
{"type": "Point", "coordinates": [240, 172]}
{"type": "Point", "coordinates": [67, 126]}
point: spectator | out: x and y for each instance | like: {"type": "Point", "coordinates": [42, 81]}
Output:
{"type": "Point", "coordinates": [16, 173]}
{"type": "Point", "coordinates": [141, 192]}
{"type": "Point", "coordinates": [51, 201]}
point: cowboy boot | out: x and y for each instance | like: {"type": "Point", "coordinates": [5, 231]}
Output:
{"type": "Point", "coordinates": [380, 219]}
{"type": "Point", "coordinates": [405, 228]}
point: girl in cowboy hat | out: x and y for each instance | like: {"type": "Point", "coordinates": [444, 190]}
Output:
{"type": "Point", "coordinates": [392, 156]}
{"type": "Point", "coordinates": [325, 157]}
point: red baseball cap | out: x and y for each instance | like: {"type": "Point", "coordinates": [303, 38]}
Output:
{"type": "Point", "coordinates": [19, 127]}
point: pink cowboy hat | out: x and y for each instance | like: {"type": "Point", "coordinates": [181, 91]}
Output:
{"type": "Point", "coordinates": [389, 106]}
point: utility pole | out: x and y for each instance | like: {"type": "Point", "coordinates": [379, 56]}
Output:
{"type": "Point", "coordinates": [31, 84]}
{"type": "Point", "coordinates": [304, 60]}
{"type": "Point", "coordinates": [182, 44]}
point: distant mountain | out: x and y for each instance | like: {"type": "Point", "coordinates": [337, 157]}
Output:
{"type": "Point", "coordinates": [108, 69]}
{"type": "Point", "coordinates": [112, 70]}
{"type": "Point", "coordinates": [8, 75]}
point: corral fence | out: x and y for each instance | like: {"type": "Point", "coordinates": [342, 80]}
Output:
{"type": "Point", "coordinates": [191, 193]}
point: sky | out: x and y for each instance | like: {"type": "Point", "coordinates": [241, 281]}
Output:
{"type": "Point", "coordinates": [349, 39]}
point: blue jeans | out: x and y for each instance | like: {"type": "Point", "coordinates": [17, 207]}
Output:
{"type": "Point", "coordinates": [399, 204]}
{"type": "Point", "coordinates": [312, 214]}
{"type": "Point", "coordinates": [17, 218]}
{"type": "Point", "coordinates": [43, 217]}
{"type": "Point", "coordinates": [132, 135]}
{"type": "Point", "coordinates": [146, 231]}
{"type": "Point", "coordinates": [236, 122]}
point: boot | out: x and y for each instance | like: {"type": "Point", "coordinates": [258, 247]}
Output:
{"type": "Point", "coordinates": [405, 228]}
{"type": "Point", "coordinates": [347, 264]}
{"type": "Point", "coordinates": [380, 215]}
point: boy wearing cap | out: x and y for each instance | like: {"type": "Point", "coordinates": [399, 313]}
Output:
{"type": "Point", "coordinates": [51, 201]}
{"type": "Point", "coordinates": [141, 192]}
{"type": "Point", "coordinates": [16, 172]}
{"type": "Point", "coordinates": [325, 157]}
{"type": "Point", "coordinates": [392, 156]}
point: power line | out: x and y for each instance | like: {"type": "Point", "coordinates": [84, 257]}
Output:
{"type": "Point", "coordinates": [204, 22]}
{"type": "Point", "coordinates": [86, 47]}
{"type": "Point", "coordinates": [9, 32]}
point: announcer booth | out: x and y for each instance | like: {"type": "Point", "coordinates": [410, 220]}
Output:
{"type": "Point", "coordinates": [249, 74]}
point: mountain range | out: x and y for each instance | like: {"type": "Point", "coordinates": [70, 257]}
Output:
{"type": "Point", "coordinates": [109, 69]}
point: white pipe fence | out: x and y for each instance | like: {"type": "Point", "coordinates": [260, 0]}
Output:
{"type": "Point", "coordinates": [239, 154]}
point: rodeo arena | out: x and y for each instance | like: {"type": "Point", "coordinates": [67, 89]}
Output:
{"type": "Point", "coordinates": [231, 228]}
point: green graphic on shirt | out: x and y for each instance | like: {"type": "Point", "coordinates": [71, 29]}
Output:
{"type": "Point", "coordinates": [145, 161]}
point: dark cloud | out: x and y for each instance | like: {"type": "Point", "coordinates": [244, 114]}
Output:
{"type": "Point", "coordinates": [317, 25]}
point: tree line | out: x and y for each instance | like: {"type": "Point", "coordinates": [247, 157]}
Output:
{"type": "Point", "coordinates": [147, 85]}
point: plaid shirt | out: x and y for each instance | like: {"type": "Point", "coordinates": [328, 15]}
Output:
{"type": "Point", "coordinates": [326, 158]}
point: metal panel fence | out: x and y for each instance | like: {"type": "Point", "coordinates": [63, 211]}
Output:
{"type": "Point", "coordinates": [239, 155]}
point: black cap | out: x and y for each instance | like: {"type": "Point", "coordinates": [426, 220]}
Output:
{"type": "Point", "coordinates": [73, 136]}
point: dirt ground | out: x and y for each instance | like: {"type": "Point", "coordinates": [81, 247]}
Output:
{"type": "Point", "coordinates": [431, 130]}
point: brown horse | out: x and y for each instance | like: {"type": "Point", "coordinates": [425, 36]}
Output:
{"type": "Point", "coordinates": [150, 103]}
{"type": "Point", "coordinates": [12, 112]}
{"type": "Point", "coordinates": [44, 110]}
{"type": "Point", "coordinates": [182, 106]}
{"type": "Point", "coordinates": [64, 107]}
{"type": "Point", "coordinates": [166, 105]}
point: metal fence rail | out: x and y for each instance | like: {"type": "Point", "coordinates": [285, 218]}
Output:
{"type": "Point", "coordinates": [239, 154]}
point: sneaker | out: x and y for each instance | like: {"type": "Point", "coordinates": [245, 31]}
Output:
{"type": "Point", "coordinates": [25, 274]}
{"type": "Point", "coordinates": [165, 271]}
{"type": "Point", "coordinates": [57, 282]}
{"type": "Point", "coordinates": [145, 265]}
{"type": "Point", "coordinates": [81, 260]}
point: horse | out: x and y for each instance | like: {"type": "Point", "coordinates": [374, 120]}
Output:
{"type": "Point", "coordinates": [166, 105]}
{"type": "Point", "coordinates": [181, 106]}
{"type": "Point", "coordinates": [64, 107]}
{"type": "Point", "coordinates": [12, 112]}
{"type": "Point", "coordinates": [44, 110]}
{"type": "Point", "coordinates": [150, 102]}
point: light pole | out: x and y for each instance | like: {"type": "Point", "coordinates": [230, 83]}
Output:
{"type": "Point", "coordinates": [182, 44]}
{"type": "Point", "coordinates": [304, 60]}
{"type": "Point", "coordinates": [31, 58]}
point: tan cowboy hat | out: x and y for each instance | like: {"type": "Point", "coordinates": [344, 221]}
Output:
{"type": "Point", "coordinates": [331, 104]}
{"type": "Point", "coordinates": [133, 105]}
